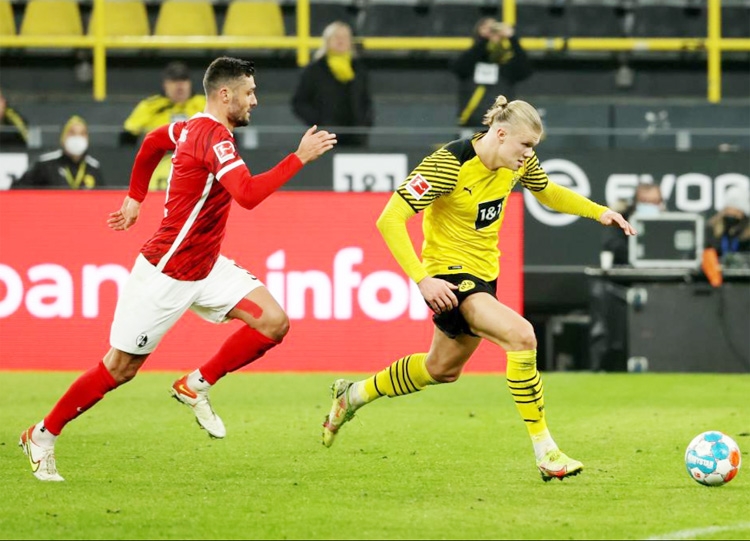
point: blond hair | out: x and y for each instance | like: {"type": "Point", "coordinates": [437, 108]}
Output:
{"type": "Point", "coordinates": [75, 119]}
{"type": "Point", "coordinates": [515, 113]}
{"type": "Point", "coordinates": [327, 36]}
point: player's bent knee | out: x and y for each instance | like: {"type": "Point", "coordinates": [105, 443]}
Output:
{"type": "Point", "coordinates": [446, 378]}
{"type": "Point", "coordinates": [444, 375]}
{"type": "Point", "coordinates": [523, 337]}
{"type": "Point", "coordinates": [122, 366]}
{"type": "Point", "coordinates": [274, 325]}
{"type": "Point", "coordinates": [281, 329]}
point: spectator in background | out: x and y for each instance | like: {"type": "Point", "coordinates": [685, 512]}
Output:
{"type": "Point", "coordinates": [608, 331]}
{"type": "Point", "coordinates": [491, 66]}
{"type": "Point", "coordinates": [70, 166]}
{"type": "Point", "coordinates": [647, 201]}
{"type": "Point", "coordinates": [333, 90]}
{"type": "Point", "coordinates": [728, 233]}
{"type": "Point", "coordinates": [178, 102]}
{"type": "Point", "coordinates": [14, 131]}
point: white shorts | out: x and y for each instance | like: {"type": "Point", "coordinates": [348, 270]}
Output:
{"type": "Point", "coordinates": [152, 302]}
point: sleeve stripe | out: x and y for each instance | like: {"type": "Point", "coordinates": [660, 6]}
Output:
{"type": "Point", "coordinates": [171, 133]}
{"type": "Point", "coordinates": [534, 178]}
{"type": "Point", "coordinates": [224, 170]}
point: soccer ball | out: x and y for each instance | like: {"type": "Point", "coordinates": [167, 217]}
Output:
{"type": "Point", "coordinates": [713, 458]}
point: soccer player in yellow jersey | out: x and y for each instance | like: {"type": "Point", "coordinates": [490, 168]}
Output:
{"type": "Point", "coordinates": [462, 188]}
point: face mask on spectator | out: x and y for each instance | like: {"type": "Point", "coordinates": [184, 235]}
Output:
{"type": "Point", "coordinates": [647, 209]}
{"type": "Point", "coordinates": [76, 145]}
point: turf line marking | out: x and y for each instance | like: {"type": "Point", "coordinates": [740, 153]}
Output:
{"type": "Point", "coordinates": [692, 533]}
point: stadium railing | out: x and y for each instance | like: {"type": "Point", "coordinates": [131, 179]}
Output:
{"type": "Point", "coordinates": [713, 44]}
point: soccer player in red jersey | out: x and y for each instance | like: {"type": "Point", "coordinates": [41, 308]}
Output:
{"type": "Point", "coordinates": [180, 267]}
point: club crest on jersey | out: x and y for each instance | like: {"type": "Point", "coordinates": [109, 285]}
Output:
{"type": "Point", "coordinates": [418, 187]}
{"type": "Point", "coordinates": [224, 151]}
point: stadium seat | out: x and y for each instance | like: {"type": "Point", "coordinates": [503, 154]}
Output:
{"type": "Point", "coordinates": [186, 18]}
{"type": "Point", "coordinates": [454, 20]}
{"type": "Point", "coordinates": [540, 21]}
{"type": "Point", "coordinates": [594, 21]}
{"type": "Point", "coordinates": [124, 18]}
{"type": "Point", "coordinates": [253, 19]}
{"type": "Point", "coordinates": [669, 22]}
{"type": "Point", "coordinates": [396, 20]}
{"type": "Point", "coordinates": [324, 13]}
{"type": "Point", "coordinates": [52, 18]}
{"type": "Point", "coordinates": [7, 21]}
{"type": "Point", "coordinates": [735, 21]}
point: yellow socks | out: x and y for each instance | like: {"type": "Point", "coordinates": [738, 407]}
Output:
{"type": "Point", "coordinates": [525, 384]}
{"type": "Point", "coordinates": [407, 375]}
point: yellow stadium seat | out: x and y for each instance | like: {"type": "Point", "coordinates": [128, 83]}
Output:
{"type": "Point", "coordinates": [52, 18]}
{"type": "Point", "coordinates": [186, 18]}
{"type": "Point", "coordinates": [123, 18]}
{"type": "Point", "coordinates": [7, 21]}
{"type": "Point", "coordinates": [253, 19]}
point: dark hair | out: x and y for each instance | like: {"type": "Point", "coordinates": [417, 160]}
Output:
{"type": "Point", "coordinates": [176, 71]}
{"type": "Point", "coordinates": [225, 69]}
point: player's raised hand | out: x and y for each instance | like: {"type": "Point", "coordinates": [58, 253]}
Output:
{"type": "Point", "coordinates": [122, 219]}
{"type": "Point", "coordinates": [610, 217]}
{"type": "Point", "coordinates": [314, 144]}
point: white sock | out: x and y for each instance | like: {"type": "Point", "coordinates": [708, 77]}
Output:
{"type": "Point", "coordinates": [43, 437]}
{"type": "Point", "coordinates": [357, 396]}
{"type": "Point", "coordinates": [543, 444]}
{"type": "Point", "coordinates": [196, 382]}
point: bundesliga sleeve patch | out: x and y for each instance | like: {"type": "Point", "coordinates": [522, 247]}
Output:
{"type": "Point", "coordinates": [418, 187]}
{"type": "Point", "coordinates": [224, 151]}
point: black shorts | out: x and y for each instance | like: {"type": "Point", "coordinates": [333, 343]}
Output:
{"type": "Point", "coordinates": [453, 323]}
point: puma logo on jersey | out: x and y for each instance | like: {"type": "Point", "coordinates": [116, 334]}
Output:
{"type": "Point", "coordinates": [224, 151]}
{"type": "Point", "coordinates": [468, 190]}
{"type": "Point", "coordinates": [418, 187]}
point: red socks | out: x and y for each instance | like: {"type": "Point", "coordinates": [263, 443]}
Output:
{"type": "Point", "coordinates": [240, 349]}
{"type": "Point", "coordinates": [87, 390]}
{"type": "Point", "coordinates": [243, 347]}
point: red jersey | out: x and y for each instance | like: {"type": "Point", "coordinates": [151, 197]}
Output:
{"type": "Point", "coordinates": [207, 173]}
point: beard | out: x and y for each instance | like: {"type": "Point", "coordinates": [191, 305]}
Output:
{"type": "Point", "coordinates": [240, 121]}
{"type": "Point", "coordinates": [237, 119]}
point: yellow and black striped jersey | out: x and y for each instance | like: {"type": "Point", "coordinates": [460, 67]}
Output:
{"type": "Point", "coordinates": [158, 110]}
{"type": "Point", "coordinates": [464, 207]}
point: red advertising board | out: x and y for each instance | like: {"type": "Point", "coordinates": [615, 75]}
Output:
{"type": "Point", "coordinates": [351, 307]}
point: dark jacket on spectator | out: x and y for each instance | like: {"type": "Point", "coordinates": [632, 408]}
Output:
{"type": "Point", "coordinates": [57, 170]}
{"type": "Point", "coordinates": [514, 66]}
{"type": "Point", "coordinates": [321, 99]}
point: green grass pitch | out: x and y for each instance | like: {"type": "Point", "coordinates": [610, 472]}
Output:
{"type": "Point", "coordinates": [452, 462]}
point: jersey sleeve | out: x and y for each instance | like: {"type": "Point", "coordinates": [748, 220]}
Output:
{"type": "Point", "coordinates": [392, 226]}
{"type": "Point", "coordinates": [565, 200]}
{"type": "Point", "coordinates": [435, 176]}
{"type": "Point", "coordinates": [221, 155]}
{"type": "Point", "coordinates": [534, 178]}
{"type": "Point", "coordinates": [223, 160]}
{"type": "Point", "coordinates": [556, 197]}
{"type": "Point", "coordinates": [156, 143]}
